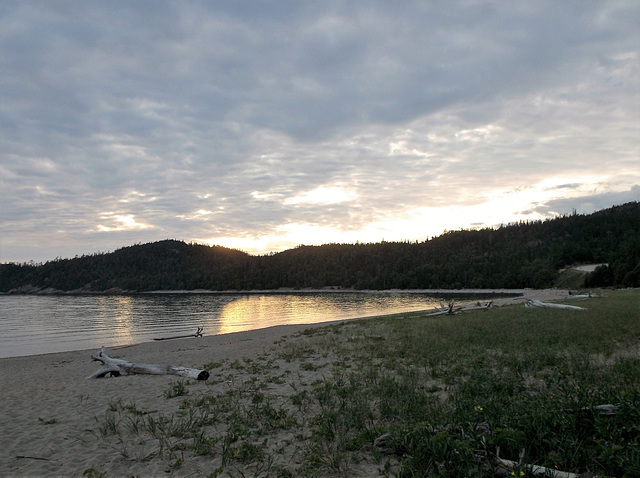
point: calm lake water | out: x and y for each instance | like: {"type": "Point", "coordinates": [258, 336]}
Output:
{"type": "Point", "coordinates": [32, 325]}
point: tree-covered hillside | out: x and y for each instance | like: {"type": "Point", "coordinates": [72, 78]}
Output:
{"type": "Point", "coordinates": [513, 256]}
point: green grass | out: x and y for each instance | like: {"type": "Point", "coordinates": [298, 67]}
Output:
{"type": "Point", "coordinates": [176, 389]}
{"type": "Point", "coordinates": [441, 394]}
{"type": "Point", "coordinates": [570, 278]}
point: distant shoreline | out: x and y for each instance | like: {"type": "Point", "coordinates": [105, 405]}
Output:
{"type": "Point", "coordinates": [510, 292]}
{"type": "Point", "coordinates": [282, 291]}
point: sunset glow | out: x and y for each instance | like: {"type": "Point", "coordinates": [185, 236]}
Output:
{"type": "Point", "coordinates": [365, 122]}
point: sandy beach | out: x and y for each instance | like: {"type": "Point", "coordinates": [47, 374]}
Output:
{"type": "Point", "coordinates": [48, 408]}
{"type": "Point", "coordinates": [52, 419]}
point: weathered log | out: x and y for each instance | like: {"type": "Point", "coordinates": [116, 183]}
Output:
{"type": "Point", "coordinates": [606, 410]}
{"type": "Point", "coordinates": [504, 466]}
{"type": "Point", "coordinates": [116, 367]}
{"type": "Point", "coordinates": [197, 334]}
{"type": "Point", "coordinates": [479, 306]}
{"type": "Point", "coordinates": [534, 469]}
{"type": "Point", "coordinates": [588, 295]}
{"type": "Point", "coordinates": [548, 305]}
{"type": "Point", "coordinates": [445, 310]}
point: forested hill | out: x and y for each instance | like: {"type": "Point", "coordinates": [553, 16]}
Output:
{"type": "Point", "coordinates": [513, 256]}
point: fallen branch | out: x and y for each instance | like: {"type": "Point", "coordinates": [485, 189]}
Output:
{"type": "Point", "coordinates": [607, 410]}
{"type": "Point", "coordinates": [535, 469]}
{"type": "Point", "coordinates": [548, 305]}
{"type": "Point", "coordinates": [588, 295]}
{"type": "Point", "coordinates": [443, 310]}
{"type": "Point", "coordinates": [506, 465]}
{"type": "Point", "coordinates": [116, 367]}
{"type": "Point", "coordinates": [480, 306]}
{"type": "Point", "coordinates": [197, 334]}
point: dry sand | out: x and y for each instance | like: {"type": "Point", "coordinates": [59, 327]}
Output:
{"type": "Point", "coordinates": [50, 414]}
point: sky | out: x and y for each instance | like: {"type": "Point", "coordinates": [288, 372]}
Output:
{"type": "Point", "coordinates": [263, 125]}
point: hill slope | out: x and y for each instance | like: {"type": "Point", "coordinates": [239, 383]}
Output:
{"type": "Point", "coordinates": [514, 256]}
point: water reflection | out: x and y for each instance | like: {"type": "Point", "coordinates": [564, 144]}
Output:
{"type": "Point", "coordinates": [123, 326]}
{"type": "Point", "coordinates": [45, 324]}
{"type": "Point", "coordinates": [251, 312]}
{"type": "Point", "coordinates": [265, 311]}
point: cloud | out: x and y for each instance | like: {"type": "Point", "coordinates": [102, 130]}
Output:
{"type": "Point", "coordinates": [322, 195]}
{"type": "Point", "coordinates": [121, 223]}
{"type": "Point", "coordinates": [586, 204]}
{"type": "Point", "coordinates": [336, 115]}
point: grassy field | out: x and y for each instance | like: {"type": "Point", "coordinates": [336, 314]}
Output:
{"type": "Point", "coordinates": [410, 395]}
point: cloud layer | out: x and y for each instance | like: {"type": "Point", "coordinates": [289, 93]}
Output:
{"type": "Point", "coordinates": [263, 125]}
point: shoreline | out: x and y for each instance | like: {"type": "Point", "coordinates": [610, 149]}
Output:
{"type": "Point", "coordinates": [50, 413]}
{"type": "Point", "coordinates": [496, 296]}
{"type": "Point", "coordinates": [503, 297]}
{"type": "Point", "coordinates": [282, 290]}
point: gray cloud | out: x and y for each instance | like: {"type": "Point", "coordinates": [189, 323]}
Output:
{"type": "Point", "coordinates": [153, 111]}
{"type": "Point", "coordinates": [588, 204]}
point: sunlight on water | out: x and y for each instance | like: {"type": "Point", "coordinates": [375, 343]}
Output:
{"type": "Point", "coordinates": [44, 324]}
{"type": "Point", "coordinates": [241, 314]}
{"type": "Point", "coordinates": [123, 326]}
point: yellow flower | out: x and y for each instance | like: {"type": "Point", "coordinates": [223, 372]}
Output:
{"type": "Point", "coordinates": [478, 408]}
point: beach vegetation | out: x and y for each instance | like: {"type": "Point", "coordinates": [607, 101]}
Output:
{"type": "Point", "coordinates": [176, 389]}
{"type": "Point", "coordinates": [134, 410]}
{"type": "Point", "coordinates": [109, 425]}
{"type": "Point", "coordinates": [92, 473]}
{"type": "Point", "coordinates": [410, 395]}
{"type": "Point", "coordinates": [176, 465]}
{"type": "Point", "coordinates": [213, 365]}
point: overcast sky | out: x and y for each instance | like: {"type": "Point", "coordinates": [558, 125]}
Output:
{"type": "Point", "coordinates": [261, 125]}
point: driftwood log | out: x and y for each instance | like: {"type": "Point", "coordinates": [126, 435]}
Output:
{"type": "Point", "coordinates": [507, 465]}
{"type": "Point", "coordinates": [451, 309]}
{"type": "Point", "coordinates": [548, 305]}
{"type": "Point", "coordinates": [479, 306]}
{"type": "Point", "coordinates": [116, 367]}
{"type": "Point", "coordinates": [197, 334]}
{"type": "Point", "coordinates": [505, 468]}
{"type": "Point", "coordinates": [445, 310]}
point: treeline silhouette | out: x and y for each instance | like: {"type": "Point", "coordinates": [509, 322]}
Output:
{"type": "Point", "coordinates": [525, 254]}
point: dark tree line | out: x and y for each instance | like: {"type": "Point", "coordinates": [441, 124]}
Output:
{"type": "Point", "coordinates": [526, 254]}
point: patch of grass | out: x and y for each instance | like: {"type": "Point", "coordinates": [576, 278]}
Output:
{"type": "Point", "coordinates": [204, 444]}
{"type": "Point", "coordinates": [176, 389]}
{"type": "Point", "coordinates": [110, 425]}
{"type": "Point", "coordinates": [211, 365]}
{"type": "Point", "coordinates": [131, 408]}
{"type": "Point", "coordinates": [308, 366]}
{"type": "Point", "coordinates": [176, 465]}
{"type": "Point", "coordinates": [92, 473]}
{"type": "Point", "coordinates": [296, 350]}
